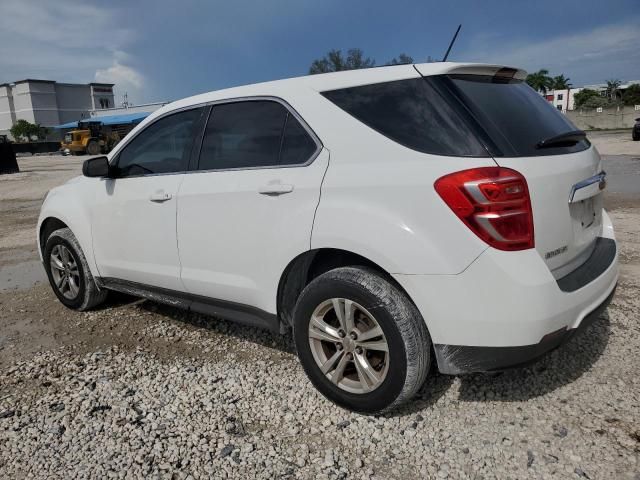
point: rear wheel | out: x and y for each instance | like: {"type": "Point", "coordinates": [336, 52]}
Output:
{"type": "Point", "coordinates": [360, 340]}
{"type": "Point", "coordinates": [93, 148]}
{"type": "Point", "coordinates": [69, 273]}
{"type": "Point", "coordinates": [635, 136]}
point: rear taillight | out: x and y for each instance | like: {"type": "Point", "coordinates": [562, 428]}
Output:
{"type": "Point", "coordinates": [493, 202]}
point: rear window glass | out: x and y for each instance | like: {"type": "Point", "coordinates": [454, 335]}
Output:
{"type": "Point", "coordinates": [514, 116]}
{"type": "Point", "coordinates": [411, 113]}
{"type": "Point", "coordinates": [297, 145]}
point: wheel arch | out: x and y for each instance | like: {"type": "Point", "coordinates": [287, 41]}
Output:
{"type": "Point", "coordinates": [47, 227]}
{"type": "Point", "coordinates": [312, 263]}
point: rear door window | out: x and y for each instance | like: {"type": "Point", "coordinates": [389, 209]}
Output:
{"type": "Point", "coordinates": [254, 134]}
{"type": "Point", "coordinates": [243, 135]}
{"type": "Point", "coordinates": [515, 116]}
{"type": "Point", "coordinates": [412, 113]}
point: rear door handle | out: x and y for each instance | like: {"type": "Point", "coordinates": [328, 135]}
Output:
{"type": "Point", "coordinates": [275, 189]}
{"type": "Point", "coordinates": [160, 196]}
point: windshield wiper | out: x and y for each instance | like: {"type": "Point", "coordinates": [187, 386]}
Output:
{"type": "Point", "coordinates": [566, 139]}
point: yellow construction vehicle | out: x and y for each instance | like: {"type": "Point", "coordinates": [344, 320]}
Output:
{"type": "Point", "coordinates": [89, 138]}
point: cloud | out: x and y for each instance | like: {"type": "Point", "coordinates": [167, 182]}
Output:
{"type": "Point", "coordinates": [587, 57]}
{"type": "Point", "coordinates": [127, 79]}
{"type": "Point", "coordinates": [67, 41]}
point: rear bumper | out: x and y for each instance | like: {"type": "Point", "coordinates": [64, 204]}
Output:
{"type": "Point", "coordinates": [458, 359]}
{"type": "Point", "coordinates": [506, 309]}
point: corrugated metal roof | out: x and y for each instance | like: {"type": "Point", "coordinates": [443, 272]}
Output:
{"type": "Point", "coordinates": [122, 119]}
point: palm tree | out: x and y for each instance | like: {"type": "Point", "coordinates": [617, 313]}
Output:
{"type": "Point", "coordinates": [612, 89]}
{"type": "Point", "coordinates": [540, 81]}
{"type": "Point", "coordinates": [561, 83]}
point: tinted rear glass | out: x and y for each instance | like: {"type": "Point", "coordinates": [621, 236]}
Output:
{"type": "Point", "coordinates": [243, 135]}
{"type": "Point", "coordinates": [514, 116]}
{"type": "Point", "coordinates": [412, 113]}
{"type": "Point", "coordinates": [297, 145]}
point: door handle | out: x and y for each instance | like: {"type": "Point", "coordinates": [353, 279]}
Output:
{"type": "Point", "coordinates": [275, 189]}
{"type": "Point", "coordinates": [160, 196]}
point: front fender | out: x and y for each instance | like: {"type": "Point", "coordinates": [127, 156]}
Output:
{"type": "Point", "coordinates": [71, 204]}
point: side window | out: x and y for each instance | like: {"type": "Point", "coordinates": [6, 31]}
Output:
{"type": "Point", "coordinates": [251, 134]}
{"type": "Point", "coordinates": [297, 145]}
{"type": "Point", "coordinates": [162, 147]}
{"type": "Point", "coordinates": [243, 135]}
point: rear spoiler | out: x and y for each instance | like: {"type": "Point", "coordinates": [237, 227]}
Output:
{"type": "Point", "coordinates": [440, 68]}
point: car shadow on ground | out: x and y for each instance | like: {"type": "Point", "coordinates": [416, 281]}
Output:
{"type": "Point", "coordinates": [265, 338]}
{"type": "Point", "coordinates": [560, 367]}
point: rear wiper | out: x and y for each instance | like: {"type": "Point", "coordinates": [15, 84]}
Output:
{"type": "Point", "coordinates": [566, 139]}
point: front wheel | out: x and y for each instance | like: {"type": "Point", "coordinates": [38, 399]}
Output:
{"type": "Point", "coordinates": [69, 273]}
{"type": "Point", "coordinates": [93, 148]}
{"type": "Point", "coordinates": [361, 341]}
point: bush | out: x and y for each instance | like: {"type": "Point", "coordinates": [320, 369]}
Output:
{"type": "Point", "coordinates": [24, 130]}
{"type": "Point", "coordinates": [584, 95]}
{"type": "Point", "coordinates": [631, 96]}
{"type": "Point", "coordinates": [595, 102]}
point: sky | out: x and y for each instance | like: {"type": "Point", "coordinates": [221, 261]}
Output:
{"type": "Point", "coordinates": [164, 50]}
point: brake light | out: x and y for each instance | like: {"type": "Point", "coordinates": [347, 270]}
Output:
{"type": "Point", "coordinates": [493, 202]}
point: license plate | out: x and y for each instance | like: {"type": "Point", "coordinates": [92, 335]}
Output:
{"type": "Point", "coordinates": [588, 214]}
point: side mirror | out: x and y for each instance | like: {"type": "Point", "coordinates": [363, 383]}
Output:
{"type": "Point", "coordinates": [96, 167]}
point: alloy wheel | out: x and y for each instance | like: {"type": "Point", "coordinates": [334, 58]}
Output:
{"type": "Point", "coordinates": [64, 271]}
{"type": "Point", "coordinates": [348, 345]}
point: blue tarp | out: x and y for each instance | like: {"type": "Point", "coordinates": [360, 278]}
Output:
{"type": "Point", "coordinates": [123, 119]}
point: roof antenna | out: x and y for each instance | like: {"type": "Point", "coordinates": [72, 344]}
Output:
{"type": "Point", "coordinates": [446, 55]}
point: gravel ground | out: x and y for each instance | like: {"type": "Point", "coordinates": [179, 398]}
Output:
{"type": "Point", "coordinates": [137, 389]}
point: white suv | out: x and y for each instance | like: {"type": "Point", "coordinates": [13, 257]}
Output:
{"type": "Point", "coordinates": [390, 217]}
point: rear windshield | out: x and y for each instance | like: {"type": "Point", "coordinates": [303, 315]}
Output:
{"type": "Point", "coordinates": [412, 113]}
{"type": "Point", "coordinates": [515, 117]}
{"type": "Point", "coordinates": [460, 115]}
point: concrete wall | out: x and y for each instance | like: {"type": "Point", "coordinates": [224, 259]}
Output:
{"type": "Point", "coordinates": [74, 102]}
{"type": "Point", "coordinates": [22, 102]}
{"type": "Point", "coordinates": [44, 104]}
{"type": "Point", "coordinates": [608, 118]}
{"type": "Point", "coordinates": [7, 114]}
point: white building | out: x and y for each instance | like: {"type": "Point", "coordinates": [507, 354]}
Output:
{"type": "Point", "coordinates": [50, 103]}
{"type": "Point", "coordinates": [563, 99]}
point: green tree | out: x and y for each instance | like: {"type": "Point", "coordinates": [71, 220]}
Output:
{"type": "Point", "coordinates": [24, 130]}
{"type": "Point", "coordinates": [334, 61]}
{"type": "Point", "coordinates": [559, 82]}
{"type": "Point", "coordinates": [401, 59]}
{"type": "Point", "coordinates": [631, 95]}
{"type": "Point", "coordinates": [583, 95]}
{"type": "Point", "coordinates": [597, 101]}
{"type": "Point", "coordinates": [613, 89]}
{"type": "Point", "coordinates": [540, 81]}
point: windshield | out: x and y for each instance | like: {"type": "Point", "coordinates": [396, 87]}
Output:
{"type": "Point", "coordinates": [515, 117]}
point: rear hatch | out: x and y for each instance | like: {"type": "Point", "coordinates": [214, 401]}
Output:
{"type": "Point", "coordinates": [524, 132]}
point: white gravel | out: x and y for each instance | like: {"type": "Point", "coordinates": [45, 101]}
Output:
{"type": "Point", "coordinates": [241, 407]}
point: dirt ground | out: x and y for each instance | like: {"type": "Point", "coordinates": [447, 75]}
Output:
{"type": "Point", "coordinates": [33, 321]}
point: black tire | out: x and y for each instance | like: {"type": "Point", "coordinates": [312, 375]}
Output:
{"type": "Point", "coordinates": [635, 136]}
{"type": "Point", "coordinates": [93, 148]}
{"type": "Point", "coordinates": [88, 295]}
{"type": "Point", "coordinates": [409, 343]}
